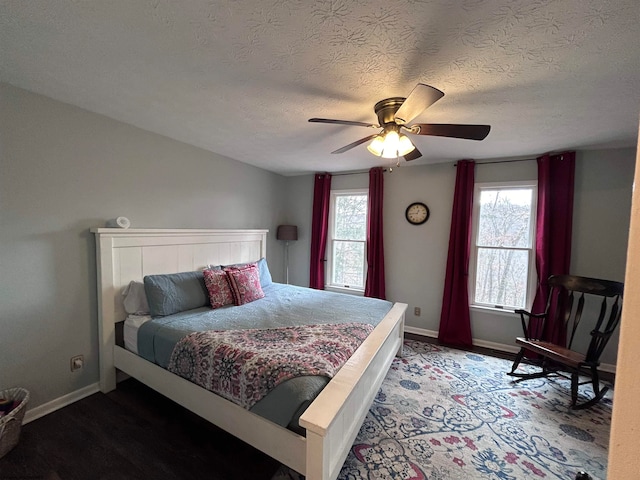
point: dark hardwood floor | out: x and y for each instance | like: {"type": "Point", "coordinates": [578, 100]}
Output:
{"type": "Point", "coordinates": [130, 433]}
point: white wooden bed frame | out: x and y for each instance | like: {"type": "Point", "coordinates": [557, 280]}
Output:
{"type": "Point", "coordinates": [332, 421]}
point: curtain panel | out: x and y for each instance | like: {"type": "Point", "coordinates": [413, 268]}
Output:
{"type": "Point", "coordinates": [556, 178]}
{"type": "Point", "coordinates": [375, 282]}
{"type": "Point", "coordinates": [319, 230]}
{"type": "Point", "coordinates": [455, 319]}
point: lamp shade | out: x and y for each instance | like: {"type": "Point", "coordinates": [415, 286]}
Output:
{"type": "Point", "coordinates": [287, 232]}
{"type": "Point", "coordinates": [376, 146]}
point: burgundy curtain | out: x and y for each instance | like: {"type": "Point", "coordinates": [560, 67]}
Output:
{"type": "Point", "coordinates": [455, 322]}
{"type": "Point", "coordinates": [319, 228]}
{"type": "Point", "coordinates": [374, 286]}
{"type": "Point", "coordinates": [553, 230]}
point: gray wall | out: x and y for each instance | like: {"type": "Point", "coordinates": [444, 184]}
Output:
{"type": "Point", "coordinates": [415, 256]}
{"type": "Point", "coordinates": [64, 170]}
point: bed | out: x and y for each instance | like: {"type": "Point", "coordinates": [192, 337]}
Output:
{"type": "Point", "coordinates": [331, 421]}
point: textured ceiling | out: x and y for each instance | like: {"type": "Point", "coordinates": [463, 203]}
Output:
{"type": "Point", "coordinates": [241, 78]}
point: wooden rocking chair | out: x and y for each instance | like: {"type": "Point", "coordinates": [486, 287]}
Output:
{"type": "Point", "coordinates": [554, 359]}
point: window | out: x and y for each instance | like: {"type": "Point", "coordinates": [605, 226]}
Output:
{"type": "Point", "coordinates": [503, 256]}
{"type": "Point", "coordinates": [347, 239]}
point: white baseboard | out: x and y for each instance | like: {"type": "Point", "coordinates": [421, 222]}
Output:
{"type": "Point", "coordinates": [500, 347]}
{"type": "Point", "coordinates": [608, 367]}
{"type": "Point", "coordinates": [420, 331]}
{"type": "Point", "coordinates": [58, 403]}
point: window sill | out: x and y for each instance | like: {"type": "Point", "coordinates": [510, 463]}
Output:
{"type": "Point", "coordinates": [503, 312]}
{"type": "Point", "coordinates": [351, 291]}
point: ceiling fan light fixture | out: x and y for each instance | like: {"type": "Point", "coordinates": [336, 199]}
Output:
{"type": "Point", "coordinates": [405, 146]}
{"type": "Point", "coordinates": [376, 146]}
{"type": "Point", "coordinates": [391, 145]}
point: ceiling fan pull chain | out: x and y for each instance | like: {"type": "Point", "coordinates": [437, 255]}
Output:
{"type": "Point", "coordinates": [397, 162]}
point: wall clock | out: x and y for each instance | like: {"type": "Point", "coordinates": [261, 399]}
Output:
{"type": "Point", "coordinates": [417, 213]}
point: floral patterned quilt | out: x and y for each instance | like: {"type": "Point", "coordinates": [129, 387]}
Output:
{"type": "Point", "coordinates": [245, 365]}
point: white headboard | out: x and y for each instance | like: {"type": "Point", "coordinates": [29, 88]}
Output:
{"type": "Point", "coordinates": [123, 255]}
{"type": "Point", "coordinates": [126, 255]}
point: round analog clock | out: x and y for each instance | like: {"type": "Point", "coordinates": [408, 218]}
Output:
{"type": "Point", "coordinates": [417, 213]}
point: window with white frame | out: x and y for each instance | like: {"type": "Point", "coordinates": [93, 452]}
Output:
{"type": "Point", "coordinates": [502, 264]}
{"type": "Point", "coordinates": [346, 245]}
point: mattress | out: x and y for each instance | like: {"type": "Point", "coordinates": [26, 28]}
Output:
{"type": "Point", "coordinates": [131, 326]}
{"type": "Point", "coordinates": [282, 306]}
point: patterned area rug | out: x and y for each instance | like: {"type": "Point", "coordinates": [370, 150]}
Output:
{"type": "Point", "coordinates": [448, 414]}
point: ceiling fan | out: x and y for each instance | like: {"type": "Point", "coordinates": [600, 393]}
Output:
{"type": "Point", "coordinates": [394, 115]}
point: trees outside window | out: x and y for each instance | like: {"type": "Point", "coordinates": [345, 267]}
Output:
{"type": "Point", "coordinates": [347, 239]}
{"type": "Point", "coordinates": [503, 256]}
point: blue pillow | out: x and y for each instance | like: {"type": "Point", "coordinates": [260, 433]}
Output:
{"type": "Point", "coordinates": [265, 274]}
{"type": "Point", "coordinates": [175, 292]}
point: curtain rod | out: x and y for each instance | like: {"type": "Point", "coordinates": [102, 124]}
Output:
{"type": "Point", "coordinates": [503, 161]}
{"type": "Point", "coordinates": [455, 164]}
{"type": "Point", "coordinates": [523, 159]}
{"type": "Point", "coordinates": [361, 172]}
{"type": "Point", "coordinates": [348, 173]}
{"type": "Point", "coordinates": [477, 163]}
{"type": "Point", "coordinates": [353, 173]}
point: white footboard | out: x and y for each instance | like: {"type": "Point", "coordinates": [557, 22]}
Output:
{"type": "Point", "coordinates": [333, 420]}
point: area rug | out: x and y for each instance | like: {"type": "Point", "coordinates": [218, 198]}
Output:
{"type": "Point", "coordinates": [449, 414]}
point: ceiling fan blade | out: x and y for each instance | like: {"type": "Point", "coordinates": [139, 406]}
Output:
{"type": "Point", "coordinates": [412, 155]}
{"type": "Point", "coordinates": [343, 122]}
{"type": "Point", "coordinates": [469, 132]}
{"type": "Point", "coordinates": [356, 143]}
{"type": "Point", "coordinates": [420, 98]}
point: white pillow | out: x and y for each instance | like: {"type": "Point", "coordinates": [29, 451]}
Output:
{"type": "Point", "coordinates": [135, 299]}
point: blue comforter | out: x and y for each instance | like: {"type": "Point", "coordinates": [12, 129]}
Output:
{"type": "Point", "coordinates": [282, 306]}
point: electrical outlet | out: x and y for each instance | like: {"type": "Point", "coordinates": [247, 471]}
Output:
{"type": "Point", "coordinates": [77, 362]}
{"type": "Point", "coordinates": [416, 311]}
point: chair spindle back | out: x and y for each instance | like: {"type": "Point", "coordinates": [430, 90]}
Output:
{"type": "Point", "coordinates": [566, 289]}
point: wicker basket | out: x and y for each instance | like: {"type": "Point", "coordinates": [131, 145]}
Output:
{"type": "Point", "coordinates": [11, 423]}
